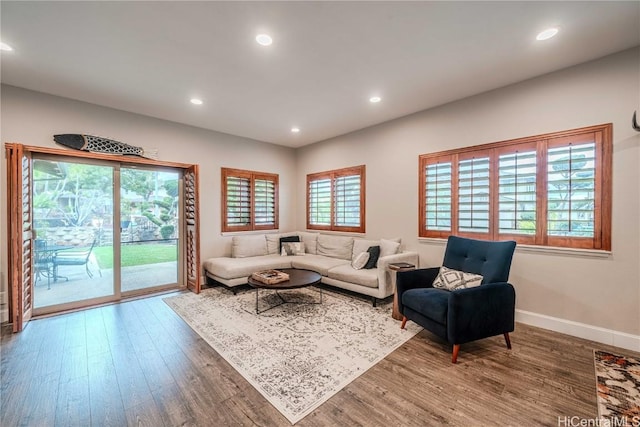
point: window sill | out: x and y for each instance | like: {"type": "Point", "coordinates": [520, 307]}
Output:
{"type": "Point", "coordinates": [583, 253]}
{"type": "Point", "coordinates": [337, 233]}
{"type": "Point", "coordinates": [248, 232]}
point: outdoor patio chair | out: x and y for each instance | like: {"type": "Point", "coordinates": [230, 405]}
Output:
{"type": "Point", "coordinates": [74, 257]}
{"type": "Point", "coordinates": [42, 262]}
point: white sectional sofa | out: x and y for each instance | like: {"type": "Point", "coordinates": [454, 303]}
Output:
{"type": "Point", "coordinates": [329, 255]}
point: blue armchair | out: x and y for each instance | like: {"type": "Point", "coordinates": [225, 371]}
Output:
{"type": "Point", "coordinates": [469, 314]}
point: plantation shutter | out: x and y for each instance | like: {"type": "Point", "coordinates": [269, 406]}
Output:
{"type": "Point", "coordinates": [320, 202]}
{"type": "Point", "coordinates": [571, 189]}
{"type": "Point", "coordinates": [517, 192]}
{"type": "Point", "coordinates": [473, 195]}
{"type": "Point", "coordinates": [437, 193]}
{"type": "Point", "coordinates": [249, 200]}
{"type": "Point", "coordinates": [265, 202]}
{"type": "Point", "coordinates": [21, 232]}
{"type": "Point", "coordinates": [347, 201]}
{"type": "Point", "coordinates": [192, 225]}
{"type": "Point", "coordinates": [238, 203]}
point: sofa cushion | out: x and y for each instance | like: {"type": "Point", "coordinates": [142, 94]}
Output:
{"type": "Point", "coordinates": [361, 245]}
{"type": "Point", "coordinates": [452, 280]}
{"type": "Point", "coordinates": [335, 246]}
{"type": "Point", "coordinates": [232, 268]}
{"type": "Point", "coordinates": [430, 302]}
{"type": "Point", "coordinates": [318, 263]}
{"type": "Point", "coordinates": [310, 241]}
{"type": "Point", "coordinates": [248, 246]}
{"type": "Point", "coordinates": [273, 241]}
{"type": "Point", "coordinates": [374, 254]}
{"type": "Point", "coordinates": [346, 273]}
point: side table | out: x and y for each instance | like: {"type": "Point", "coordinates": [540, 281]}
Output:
{"type": "Point", "coordinates": [394, 268]}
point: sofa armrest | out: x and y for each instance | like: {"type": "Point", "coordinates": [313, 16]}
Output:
{"type": "Point", "coordinates": [413, 279]}
{"type": "Point", "coordinates": [384, 275]}
{"type": "Point", "coordinates": [481, 312]}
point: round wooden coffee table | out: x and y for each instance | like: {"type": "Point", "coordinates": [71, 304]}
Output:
{"type": "Point", "coordinates": [298, 278]}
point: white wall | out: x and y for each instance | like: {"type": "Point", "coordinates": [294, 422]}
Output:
{"type": "Point", "coordinates": [595, 292]}
{"type": "Point", "coordinates": [579, 295]}
{"type": "Point", "coordinates": [32, 118]}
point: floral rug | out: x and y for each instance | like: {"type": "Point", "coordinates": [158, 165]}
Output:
{"type": "Point", "coordinates": [618, 383]}
{"type": "Point", "coordinates": [296, 355]}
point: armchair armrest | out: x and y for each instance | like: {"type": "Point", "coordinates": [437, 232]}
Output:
{"type": "Point", "coordinates": [413, 279]}
{"type": "Point", "coordinates": [481, 312]}
{"type": "Point", "coordinates": [384, 275]}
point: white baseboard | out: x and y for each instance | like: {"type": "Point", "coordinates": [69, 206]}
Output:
{"type": "Point", "coordinates": [580, 330]}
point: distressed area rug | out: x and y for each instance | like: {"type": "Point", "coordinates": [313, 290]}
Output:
{"type": "Point", "coordinates": [296, 355]}
{"type": "Point", "coordinates": [618, 384]}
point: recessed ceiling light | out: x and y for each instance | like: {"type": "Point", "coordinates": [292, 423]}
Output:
{"type": "Point", "coordinates": [264, 39]}
{"type": "Point", "coordinates": [196, 101]}
{"type": "Point", "coordinates": [547, 34]}
{"type": "Point", "coordinates": [5, 47]}
{"type": "Point", "coordinates": [295, 129]}
{"type": "Point", "coordinates": [375, 99]}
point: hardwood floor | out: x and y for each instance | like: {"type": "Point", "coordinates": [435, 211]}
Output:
{"type": "Point", "coordinates": [138, 363]}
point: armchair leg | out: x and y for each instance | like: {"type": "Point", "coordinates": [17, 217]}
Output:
{"type": "Point", "coordinates": [508, 340]}
{"type": "Point", "coordinates": [454, 355]}
{"type": "Point", "coordinates": [404, 322]}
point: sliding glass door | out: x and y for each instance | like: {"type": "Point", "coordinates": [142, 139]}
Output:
{"type": "Point", "coordinates": [73, 233]}
{"type": "Point", "coordinates": [93, 244]}
{"type": "Point", "coordinates": [149, 227]}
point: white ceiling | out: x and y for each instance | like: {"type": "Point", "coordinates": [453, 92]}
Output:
{"type": "Point", "coordinates": [327, 58]}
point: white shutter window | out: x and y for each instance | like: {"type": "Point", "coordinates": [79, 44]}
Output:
{"type": "Point", "coordinates": [438, 196]}
{"type": "Point", "coordinates": [473, 195]}
{"type": "Point", "coordinates": [265, 202]}
{"type": "Point", "coordinates": [320, 202]}
{"type": "Point", "coordinates": [517, 193]}
{"type": "Point", "coordinates": [571, 190]}
{"type": "Point", "coordinates": [238, 201]}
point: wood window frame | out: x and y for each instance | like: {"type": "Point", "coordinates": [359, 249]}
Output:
{"type": "Point", "coordinates": [332, 175]}
{"type": "Point", "coordinates": [252, 176]}
{"type": "Point", "coordinates": [602, 135]}
{"type": "Point", "coordinates": [19, 220]}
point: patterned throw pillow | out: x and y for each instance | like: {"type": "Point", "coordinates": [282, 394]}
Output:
{"type": "Point", "coordinates": [288, 239]}
{"type": "Point", "coordinates": [292, 248]}
{"type": "Point", "coordinates": [360, 260]}
{"type": "Point", "coordinates": [453, 280]}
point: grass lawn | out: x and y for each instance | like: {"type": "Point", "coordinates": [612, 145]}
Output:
{"type": "Point", "coordinates": [137, 254]}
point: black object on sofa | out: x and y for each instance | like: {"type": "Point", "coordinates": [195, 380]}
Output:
{"type": "Point", "coordinates": [463, 315]}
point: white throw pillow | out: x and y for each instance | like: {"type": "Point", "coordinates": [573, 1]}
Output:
{"type": "Point", "coordinates": [360, 260]}
{"type": "Point", "coordinates": [388, 247]}
{"type": "Point", "coordinates": [292, 248]}
{"type": "Point", "coordinates": [453, 280]}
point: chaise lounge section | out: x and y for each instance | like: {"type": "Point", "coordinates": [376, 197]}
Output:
{"type": "Point", "coordinates": [329, 255]}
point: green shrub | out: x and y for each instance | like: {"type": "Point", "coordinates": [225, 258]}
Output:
{"type": "Point", "coordinates": [166, 231]}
